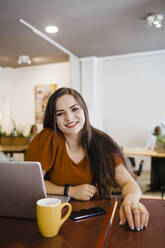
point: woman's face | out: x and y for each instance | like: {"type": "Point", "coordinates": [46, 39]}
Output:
{"type": "Point", "coordinates": [34, 130]}
{"type": "Point", "coordinates": [69, 115]}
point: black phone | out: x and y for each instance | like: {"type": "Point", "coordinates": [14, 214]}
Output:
{"type": "Point", "coordinates": [87, 213]}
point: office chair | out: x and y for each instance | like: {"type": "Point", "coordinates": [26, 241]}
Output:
{"type": "Point", "coordinates": [133, 164]}
{"type": "Point", "coordinates": [3, 157]}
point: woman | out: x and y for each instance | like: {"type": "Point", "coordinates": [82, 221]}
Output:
{"type": "Point", "coordinates": [81, 161]}
{"type": "Point", "coordinates": [33, 132]}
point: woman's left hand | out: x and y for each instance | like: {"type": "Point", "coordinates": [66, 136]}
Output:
{"type": "Point", "coordinates": [135, 213]}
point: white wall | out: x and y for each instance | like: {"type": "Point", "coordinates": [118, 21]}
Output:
{"type": "Point", "coordinates": [20, 88]}
{"type": "Point", "coordinates": [131, 96]}
{"type": "Point", "coordinates": [5, 97]}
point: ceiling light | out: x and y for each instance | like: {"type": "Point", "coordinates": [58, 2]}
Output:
{"type": "Point", "coordinates": [24, 59]}
{"type": "Point", "coordinates": [154, 20]}
{"type": "Point", "coordinates": [51, 29]}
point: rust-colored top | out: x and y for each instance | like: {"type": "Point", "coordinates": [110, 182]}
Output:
{"type": "Point", "coordinates": [49, 149]}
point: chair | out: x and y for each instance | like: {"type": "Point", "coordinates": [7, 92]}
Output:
{"type": "Point", "coordinates": [3, 157]}
{"type": "Point", "coordinates": [133, 164]}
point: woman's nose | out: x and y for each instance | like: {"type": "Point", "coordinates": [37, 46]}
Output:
{"type": "Point", "coordinates": [68, 116]}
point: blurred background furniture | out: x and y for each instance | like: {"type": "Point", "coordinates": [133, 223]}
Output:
{"type": "Point", "coordinates": [13, 149]}
{"type": "Point", "coordinates": [137, 172]}
{"type": "Point", "coordinates": [157, 165]}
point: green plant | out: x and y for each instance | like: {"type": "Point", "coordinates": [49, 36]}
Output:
{"type": "Point", "coordinates": [4, 134]}
{"type": "Point", "coordinates": [161, 139]}
{"type": "Point", "coordinates": [17, 131]}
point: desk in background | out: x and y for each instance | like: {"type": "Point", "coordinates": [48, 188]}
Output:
{"type": "Point", "coordinates": [13, 149]}
{"type": "Point", "coordinates": [19, 233]}
{"type": "Point", "coordinates": [142, 151]}
{"type": "Point", "coordinates": [157, 165]}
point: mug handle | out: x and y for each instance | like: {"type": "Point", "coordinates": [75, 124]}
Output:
{"type": "Point", "coordinates": [68, 212]}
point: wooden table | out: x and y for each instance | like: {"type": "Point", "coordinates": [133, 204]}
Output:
{"type": "Point", "coordinates": [13, 149]}
{"type": "Point", "coordinates": [142, 151]}
{"type": "Point", "coordinates": [157, 165]}
{"type": "Point", "coordinates": [19, 233]}
{"type": "Point", "coordinates": [151, 237]}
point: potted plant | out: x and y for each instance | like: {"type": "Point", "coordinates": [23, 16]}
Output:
{"type": "Point", "coordinates": [15, 137]}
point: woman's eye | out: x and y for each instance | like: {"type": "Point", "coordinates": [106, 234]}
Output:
{"type": "Point", "coordinates": [59, 114]}
{"type": "Point", "coordinates": [75, 109]}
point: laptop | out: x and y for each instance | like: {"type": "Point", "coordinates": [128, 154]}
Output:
{"type": "Point", "coordinates": [21, 185]}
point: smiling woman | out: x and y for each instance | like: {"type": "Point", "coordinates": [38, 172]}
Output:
{"type": "Point", "coordinates": [81, 161]}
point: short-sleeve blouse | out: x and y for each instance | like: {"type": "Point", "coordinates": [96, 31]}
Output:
{"type": "Point", "coordinates": [49, 149]}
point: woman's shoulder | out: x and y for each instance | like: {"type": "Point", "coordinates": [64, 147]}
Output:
{"type": "Point", "coordinates": [46, 131]}
{"type": "Point", "coordinates": [49, 131]}
{"type": "Point", "coordinates": [48, 135]}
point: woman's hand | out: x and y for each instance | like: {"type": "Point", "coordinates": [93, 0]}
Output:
{"type": "Point", "coordinates": [135, 213]}
{"type": "Point", "coordinates": [82, 192]}
{"type": "Point", "coordinates": [131, 209]}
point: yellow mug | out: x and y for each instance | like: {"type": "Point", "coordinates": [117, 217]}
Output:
{"type": "Point", "coordinates": [49, 217]}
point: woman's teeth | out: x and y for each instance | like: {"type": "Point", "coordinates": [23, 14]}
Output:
{"type": "Point", "coordinates": [71, 124]}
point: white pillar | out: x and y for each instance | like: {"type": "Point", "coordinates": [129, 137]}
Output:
{"type": "Point", "coordinates": [89, 83]}
{"type": "Point", "coordinates": [88, 79]}
{"type": "Point", "coordinates": [75, 72]}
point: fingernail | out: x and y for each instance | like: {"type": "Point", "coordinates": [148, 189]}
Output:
{"type": "Point", "coordinates": [138, 229]}
{"type": "Point", "coordinates": [120, 223]}
{"type": "Point", "coordinates": [146, 226]}
{"type": "Point", "coordinates": [132, 228]}
{"type": "Point", "coordinates": [141, 227]}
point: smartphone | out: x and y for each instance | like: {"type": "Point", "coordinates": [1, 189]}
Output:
{"type": "Point", "coordinates": [87, 213]}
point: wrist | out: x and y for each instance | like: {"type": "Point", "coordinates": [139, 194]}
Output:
{"type": "Point", "coordinates": [70, 191]}
{"type": "Point", "coordinates": [66, 189]}
{"type": "Point", "coordinates": [132, 197]}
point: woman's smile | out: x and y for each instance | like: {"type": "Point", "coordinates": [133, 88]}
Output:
{"type": "Point", "coordinates": [71, 124]}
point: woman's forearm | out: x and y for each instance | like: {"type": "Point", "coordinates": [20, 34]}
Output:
{"type": "Point", "coordinates": [52, 188]}
{"type": "Point", "coordinates": [131, 191]}
{"type": "Point", "coordinates": [79, 192]}
{"type": "Point", "coordinates": [129, 188]}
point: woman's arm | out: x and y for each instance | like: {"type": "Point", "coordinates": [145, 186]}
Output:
{"type": "Point", "coordinates": [82, 192]}
{"type": "Point", "coordinates": [131, 209]}
{"type": "Point", "coordinates": [52, 188]}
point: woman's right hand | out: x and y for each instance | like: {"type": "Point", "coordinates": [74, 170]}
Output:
{"type": "Point", "coordinates": [82, 192]}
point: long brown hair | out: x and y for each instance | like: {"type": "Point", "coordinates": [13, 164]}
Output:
{"type": "Point", "coordinates": [99, 147]}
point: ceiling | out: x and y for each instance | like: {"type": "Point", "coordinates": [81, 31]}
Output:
{"type": "Point", "coordinates": [86, 28]}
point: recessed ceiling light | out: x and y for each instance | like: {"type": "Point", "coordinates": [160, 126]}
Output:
{"type": "Point", "coordinates": [51, 29]}
{"type": "Point", "coordinates": [24, 59]}
{"type": "Point", "coordinates": [154, 20]}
